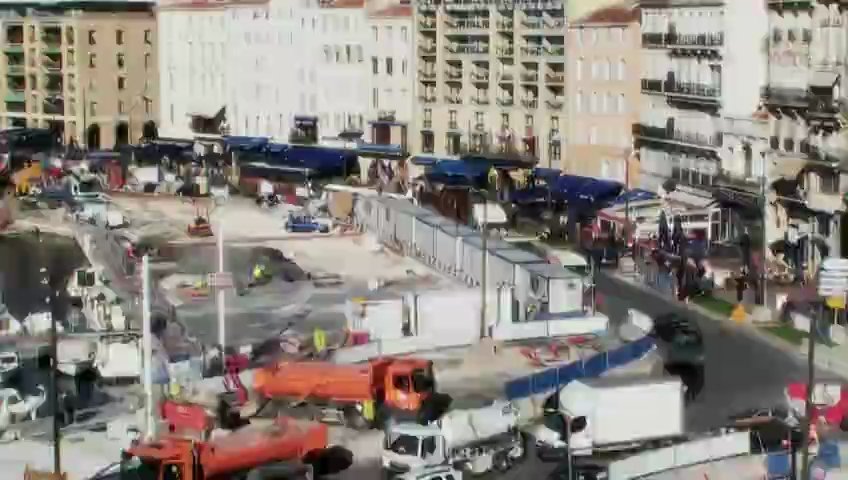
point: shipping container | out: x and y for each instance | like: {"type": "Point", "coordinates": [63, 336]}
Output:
{"type": "Point", "coordinates": [559, 289]}
{"type": "Point", "coordinates": [504, 265]}
{"type": "Point", "coordinates": [472, 256]}
{"type": "Point", "coordinates": [449, 245]}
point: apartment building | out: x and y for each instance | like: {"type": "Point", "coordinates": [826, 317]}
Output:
{"type": "Point", "coordinates": [602, 78]}
{"type": "Point", "coordinates": [192, 65]}
{"type": "Point", "coordinates": [89, 72]}
{"type": "Point", "coordinates": [807, 57]}
{"type": "Point", "coordinates": [491, 77]}
{"type": "Point", "coordinates": [701, 61]}
{"type": "Point", "coordinates": [296, 67]}
{"type": "Point", "coordinates": [391, 49]}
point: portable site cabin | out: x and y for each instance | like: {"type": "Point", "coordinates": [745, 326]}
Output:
{"type": "Point", "coordinates": [449, 238]}
{"type": "Point", "coordinates": [556, 290]}
{"type": "Point", "coordinates": [472, 257]}
{"type": "Point", "coordinates": [504, 265]}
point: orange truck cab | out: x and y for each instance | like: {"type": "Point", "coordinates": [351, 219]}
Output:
{"type": "Point", "coordinates": [357, 395]}
{"type": "Point", "coordinates": [284, 443]}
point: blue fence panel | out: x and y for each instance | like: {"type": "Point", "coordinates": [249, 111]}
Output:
{"type": "Point", "coordinates": [554, 378]}
{"type": "Point", "coordinates": [595, 366]}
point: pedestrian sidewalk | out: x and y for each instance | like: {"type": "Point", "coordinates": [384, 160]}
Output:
{"type": "Point", "coordinates": [833, 359]}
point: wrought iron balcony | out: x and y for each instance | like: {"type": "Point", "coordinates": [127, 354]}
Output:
{"type": "Point", "coordinates": [555, 78]}
{"type": "Point", "coordinates": [468, 48]}
{"type": "Point", "coordinates": [427, 98]}
{"type": "Point", "coordinates": [427, 49]}
{"type": "Point", "coordinates": [530, 77]}
{"type": "Point", "coordinates": [480, 76]}
{"type": "Point", "coordinates": [454, 74]}
{"type": "Point", "coordinates": [427, 75]}
{"type": "Point", "coordinates": [786, 97]}
{"type": "Point", "coordinates": [471, 24]}
{"type": "Point", "coordinates": [427, 123]}
{"type": "Point", "coordinates": [532, 50]}
{"type": "Point", "coordinates": [683, 40]}
{"type": "Point", "coordinates": [427, 23]}
{"type": "Point", "coordinates": [530, 102]}
{"type": "Point", "coordinates": [506, 25]}
{"type": "Point", "coordinates": [677, 137]}
{"type": "Point", "coordinates": [454, 99]}
{"type": "Point", "coordinates": [506, 102]}
{"type": "Point", "coordinates": [507, 51]}
{"type": "Point", "coordinates": [555, 50]}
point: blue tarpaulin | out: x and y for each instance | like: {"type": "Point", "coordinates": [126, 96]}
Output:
{"type": "Point", "coordinates": [547, 174]}
{"type": "Point", "coordinates": [425, 161]}
{"type": "Point", "coordinates": [459, 172]}
{"type": "Point", "coordinates": [374, 149]}
{"type": "Point", "coordinates": [245, 143]}
{"type": "Point", "coordinates": [530, 195]}
{"type": "Point", "coordinates": [635, 195]}
{"type": "Point", "coordinates": [577, 189]}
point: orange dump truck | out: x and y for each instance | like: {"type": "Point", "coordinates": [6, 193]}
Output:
{"type": "Point", "coordinates": [285, 446]}
{"type": "Point", "coordinates": [356, 395]}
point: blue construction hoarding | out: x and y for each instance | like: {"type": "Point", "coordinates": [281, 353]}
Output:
{"type": "Point", "coordinates": [594, 366]}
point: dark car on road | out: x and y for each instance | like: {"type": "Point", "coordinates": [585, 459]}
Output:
{"type": "Point", "coordinates": [679, 340]}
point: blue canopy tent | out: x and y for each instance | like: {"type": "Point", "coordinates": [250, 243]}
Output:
{"type": "Point", "coordinates": [459, 173]}
{"type": "Point", "coordinates": [243, 144]}
{"type": "Point", "coordinates": [574, 189]}
{"type": "Point", "coordinates": [635, 195]}
{"type": "Point", "coordinates": [379, 150]}
{"type": "Point", "coordinates": [425, 161]}
{"type": "Point", "coordinates": [324, 161]}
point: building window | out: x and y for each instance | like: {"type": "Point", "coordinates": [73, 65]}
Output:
{"type": "Point", "coordinates": [147, 61]}
{"type": "Point", "coordinates": [528, 121]}
{"type": "Point", "coordinates": [578, 102]}
{"type": "Point", "coordinates": [92, 60]}
{"type": "Point", "coordinates": [92, 109]}
{"type": "Point", "coordinates": [619, 35]}
{"type": "Point", "coordinates": [504, 120]}
{"type": "Point", "coordinates": [119, 37]}
{"type": "Point", "coordinates": [148, 106]}
{"type": "Point", "coordinates": [452, 117]}
{"type": "Point", "coordinates": [389, 66]}
{"type": "Point", "coordinates": [148, 37]}
{"type": "Point", "coordinates": [621, 103]}
{"type": "Point", "coordinates": [375, 33]}
{"type": "Point", "coordinates": [92, 38]}
{"type": "Point", "coordinates": [403, 67]}
{"type": "Point", "coordinates": [478, 119]}
{"type": "Point", "coordinates": [593, 135]}
{"type": "Point", "coordinates": [593, 106]}
{"type": "Point", "coordinates": [121, 109]}
{"type": "Point", "coordinates": [554, 123]}
{"type": "Point", "coordinates": [375, 98]}
{"type": "Point", "coordinates": [119, 58]}
{"type": "Point", "coordinates": [404, 34]}
{"type": "Point", "coordinates": [375, 65]}
{"type": "Point", "coordinates": [579, 68]}
{"type": "Point", "coordinates": [348, 54]}
{"type": "Point", "coordinates": [122, 83]}
{"type": "Point", "coordinates": [388, 34]}
{"type": "Point", "coordinates": [328, 54]}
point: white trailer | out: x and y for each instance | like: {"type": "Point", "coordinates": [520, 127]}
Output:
{"type": "Point", "coordinates": [615, 412]}
{"type": "Point", "coordinates": [476, 440]}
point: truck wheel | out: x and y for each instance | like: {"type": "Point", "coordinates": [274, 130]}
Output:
{"type": "Point", "coordinates": [354, 419]}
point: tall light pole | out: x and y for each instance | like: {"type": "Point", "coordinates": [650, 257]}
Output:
{"type": "Point", "coordinates": [764, 213]}
{"type": "Point", "coordinates": [220, 293]}
{"type": "Point", "coordinates": [147, 347]}
{"type": "Point", "coordinates": [54, 360]}
{"type": "Point", "coordinates": [484, 283]}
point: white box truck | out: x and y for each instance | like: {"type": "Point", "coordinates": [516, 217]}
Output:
{"type": "Point", "coordinates": [618, 412]}
{"type": "Point", "coordinates": [474, 440]}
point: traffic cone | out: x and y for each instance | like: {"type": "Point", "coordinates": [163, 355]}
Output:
{"type": "Point", "coordinates": [738, 314]}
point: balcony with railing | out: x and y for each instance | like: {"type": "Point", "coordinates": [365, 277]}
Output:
{"type": "Point", "coordinates": [822, 107]}
{"type": "Point", "coordinates": [506, 101]}
{"type": "Point", "coordinates": [529, 76]}
{"type": "Point", "coordinates": [428, 49]}
{"type": "Point", "coordinates": [554, 23]}
{"type": "Point", "coordinates": [555, 50]}
{"type": "Point", "coordinates": [468, 48]}
{"type": "Point", "coordinates": [427, 123]}
{"type": "Point", "coordinates": [53, 107]}
{"type": "Point", "coordinates": [555, 103]}
{"type": "Point", "coordinates": [427, 74]}
{"type": "Point", "coordinates": [480, 76]}
{"type": "Point", "coordinates": [453, 98]}
{"type": "Point", "coordinates": [706, 40]}
{"type": "Point", "coordinates": [555, 78]}
{"type": "Point", "coordinates": [530, 102]}
{"type": "Point", "coordinates": [506, 25]}
{"type": "Point", "coordinates": [482, 98]}
{"type": "Point", "coordinates": [533, 23]}
{"type": "Point", "coordinates": [15, 66]}
{"type": "Point", "coordinates": [786, 97]}
{"type": "Point", "coordinates": [678, 137]}
{"type": "Point", "coordinates": [682, 90]}
{"type": "Point", "coordinates": [51, 37]}
{"type": "Point", "coordinates": [532, 50]}
{"type": "Point", "coordinates": [427, 23]}
{"type": "Point", "coordinates": [14, 38]}
{"type": "Point", "coordinates": [472, 23]}
{"type": "Point", "coordinates": [453, 75]}
{"type": "Point", "coordinates": [428, 97]}
{"type": "Point", "coordinates": [505, 51]}
{"type": "Point", "coordinates": [52, 63]}
{"type": "Point", "coordinates": [15, 90]}
{"type": "Point", "coordinates": [54, 85]}
{"type": "Point", "coordinates": [453, 125]}
{"type": "Point", "coordinates": [506, 77]}
{"type": "Point", "coordinates": [466, 5]}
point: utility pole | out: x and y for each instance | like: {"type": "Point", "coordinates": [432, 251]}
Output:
{"type": "Point", "coordinates": [484, 284]}
{"type": "Point", "coordinates": [220, 294]}
{"type": "Point", "coordinates": [764, 212]}
{"type": "Point", "coordinates": [808, 410]}
{"type": "Point", "coordinates": [147, 347]}
{"type": "Point", "coordinates": [54, 360]}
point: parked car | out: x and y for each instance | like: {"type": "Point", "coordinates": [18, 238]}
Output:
{"type": "Point", "coordinates": [679, 340]}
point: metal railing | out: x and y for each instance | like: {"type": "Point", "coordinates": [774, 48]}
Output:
{"type": "Point", "coordinates": [678, 136]}
{"type": "Point", "coordinates": [706, 39]}
{"type": "Point", "coordinates": [691, 89]}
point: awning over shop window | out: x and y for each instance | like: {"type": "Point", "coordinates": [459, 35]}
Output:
{"type": "Point", "coordinates": [824, 79]}
{"type": "Point", "coordinates": [787, 168]}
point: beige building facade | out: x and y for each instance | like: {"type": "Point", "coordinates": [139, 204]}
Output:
{"type": "Point", "coordinates": [602, 78]}
{"type": "Point", "coordinates": [490, 78]}
{"type": "Point", "coordinates": [90, 75]}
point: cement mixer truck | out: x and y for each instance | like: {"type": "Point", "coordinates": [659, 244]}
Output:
{"type": "Point", "coordinates": [476, 440]}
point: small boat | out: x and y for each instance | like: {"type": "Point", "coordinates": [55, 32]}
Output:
{"type": "Point", "coordinates": [10, 363]}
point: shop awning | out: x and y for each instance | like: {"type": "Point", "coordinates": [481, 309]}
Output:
{"type": "Point", "coordinates": [787, 168]}
{"type": "Point", "coordinates": [824, 79]}
{"type": "Point", "coordinates": [379, 150]}
{"type": "Point", "coordinates": [458, 172]}
{"type": "Point", "coordinates": [425, 161]}
{"type": "Point", "coordinates": [577, 189]}
{"type": "Point", "coordinates": [245, 143]}
{"type": "Point", "coordinates": [635, 195]}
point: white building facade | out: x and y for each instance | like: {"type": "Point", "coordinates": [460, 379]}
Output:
{"type": "Point", "coordinates": [297, 59]}
{"type": "Point", "coordinates": [192, 68]}
{"type": "Point", "coordinates": [390, 63]}
{"type": "Point", "coordinates": [701, 61]}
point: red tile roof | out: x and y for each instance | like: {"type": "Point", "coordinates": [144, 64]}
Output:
{"type": "Point", "coordinates": [342, 3]}
{"type": "Point", "coordinates": [622, 13]}
{"type": "Point", "coordinates": [394, 11]}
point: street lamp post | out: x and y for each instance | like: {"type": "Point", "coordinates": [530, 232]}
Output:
{"type": "Point", "coordinates": [54, 360]}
